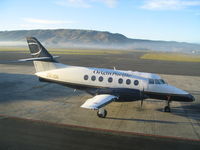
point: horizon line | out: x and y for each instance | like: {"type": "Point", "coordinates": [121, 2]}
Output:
{"type": "Point", "coordinates": [155, 40]}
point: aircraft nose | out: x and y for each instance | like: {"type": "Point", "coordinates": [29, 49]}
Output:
{"type": "Point", "coordinates": [190, 97]}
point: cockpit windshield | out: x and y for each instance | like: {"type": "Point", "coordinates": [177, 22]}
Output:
{"type": "Point", "coordinates": [151, 81]}
{"type": "Point", "coordinates": [157, 81]}
{"type": "Point", "coordinates": [162, 81]}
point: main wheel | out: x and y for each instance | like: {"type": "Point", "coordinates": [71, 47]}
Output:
{"type": "Point", "coordinates": [101, 113]}
{"type": "Point", "coordinates": [167, 109]}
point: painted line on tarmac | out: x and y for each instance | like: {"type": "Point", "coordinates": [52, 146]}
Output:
{"type": "Point", "coordinates": [2, 116]}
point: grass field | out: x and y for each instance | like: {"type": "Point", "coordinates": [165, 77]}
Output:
{"type": "Point", "coordinates": [65, 51]}
{"type": "Point", "coordinates": [171, 57]}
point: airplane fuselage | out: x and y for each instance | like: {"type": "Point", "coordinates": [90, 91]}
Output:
{"type": "Point", "coordinates": [128, 85]}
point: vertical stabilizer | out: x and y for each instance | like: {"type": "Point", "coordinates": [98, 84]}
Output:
{"type": "Point", "coordinates": [36, 48]}
{"type": "Point", "coordinates": [38, 51]}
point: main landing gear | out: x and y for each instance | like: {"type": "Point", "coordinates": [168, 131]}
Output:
{"type": "Point", "coordinates": [101, 113]}
{"type": "Point", "coordinates": [167, 108]}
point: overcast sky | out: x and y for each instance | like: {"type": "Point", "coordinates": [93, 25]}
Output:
{"type": "Point", "coordinates": [177, 20]}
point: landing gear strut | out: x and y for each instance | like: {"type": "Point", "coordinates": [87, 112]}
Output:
{"type": "Point", "coordinates": [101, 113]}
{"type": "Point", "coordinates": [167, 108]}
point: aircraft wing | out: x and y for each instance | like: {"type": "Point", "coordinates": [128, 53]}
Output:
{"type": "Point", "coordinates": [99, 101]}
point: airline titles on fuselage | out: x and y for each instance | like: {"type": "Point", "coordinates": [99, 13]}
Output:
{"type": "Point", "coordinates": [114, 73]}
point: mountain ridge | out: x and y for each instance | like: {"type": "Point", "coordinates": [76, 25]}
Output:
{"type": "Point", "coordinates": [77, 38]}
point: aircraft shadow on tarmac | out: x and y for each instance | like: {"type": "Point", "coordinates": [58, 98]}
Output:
{"type": "Point", "coordinates": [191, 111]}
{"type": "Point", "coordinates": [150, 121]}
{"type": "Point", "coordinates": [15, 87]}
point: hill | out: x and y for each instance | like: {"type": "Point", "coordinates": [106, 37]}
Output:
{"type": "Point", "coordinates": [69, 38]}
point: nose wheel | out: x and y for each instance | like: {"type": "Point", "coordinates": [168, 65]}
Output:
{"type": "Point", "coordinates": [101, 113]}
{"type": "Point", "coordinates": [167, 108]}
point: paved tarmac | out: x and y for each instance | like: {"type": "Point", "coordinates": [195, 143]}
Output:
{"type": "Point", "coordinates": [121, 61]}
{"type": "Point", "coordinates": [22, 134]}
{"type": "Point", "coordinates": [23, 96]}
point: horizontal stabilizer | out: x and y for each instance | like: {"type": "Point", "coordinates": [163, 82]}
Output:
{"type": "Point", "coordinates": [29, 59]}
{"type": "Point", "coordinates": [37, 59]}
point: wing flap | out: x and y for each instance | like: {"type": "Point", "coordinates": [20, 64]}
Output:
{"type": "Point", "coordinates": [99, 101]}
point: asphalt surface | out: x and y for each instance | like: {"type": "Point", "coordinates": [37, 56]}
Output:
{"type": "Point", "coordinates": [23, 134]}
{"type": "Point", "coordinates": [122, 61]}
{"type": "Point", "coordinates": [55, 106]}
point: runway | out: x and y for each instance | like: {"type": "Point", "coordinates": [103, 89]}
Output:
{"type": "Point", "coordinates": [122, 61]}
{"type": "Point", "coordinates": [23, 96]}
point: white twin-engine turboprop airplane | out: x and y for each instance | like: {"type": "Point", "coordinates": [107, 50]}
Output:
{"type": "Point", "coordinates": [106, 85]}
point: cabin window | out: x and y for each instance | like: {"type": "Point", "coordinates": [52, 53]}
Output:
{"type": "Point", "coordinates": [100, 78]}
{"type": "Point", "coordinates": [136, 82]}
{"type": "Point", "coordinates": [86, 77]}
{"type": "Point", "coordinates": [120, 81]}
{"type": "Point", "coordinates": [93, 78]}
{"type": "Point", "coordinates": [151, 81]}
{"type": "Point", "coordinates": [157, 81]}
{"type": "Point", "coordinates": [110, 79]}
{"type": "Point", "coordinates": [128, 81]}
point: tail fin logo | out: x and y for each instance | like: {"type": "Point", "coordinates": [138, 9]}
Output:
{"type": "Point", "coordinates": [35, 51]}
{"type": "Point", "coordinates": [39, 48]}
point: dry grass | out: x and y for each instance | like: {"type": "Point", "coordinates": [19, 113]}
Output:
{"type": "Point", "coordinates": [172, 57]}
{"type": "Point", "coordinates": [65, 51]}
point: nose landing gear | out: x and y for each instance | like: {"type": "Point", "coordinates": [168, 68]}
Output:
{"type": "Point", "coordinates": [167, 108]}
{"type": "Point", "coordinates": [101, 113]}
